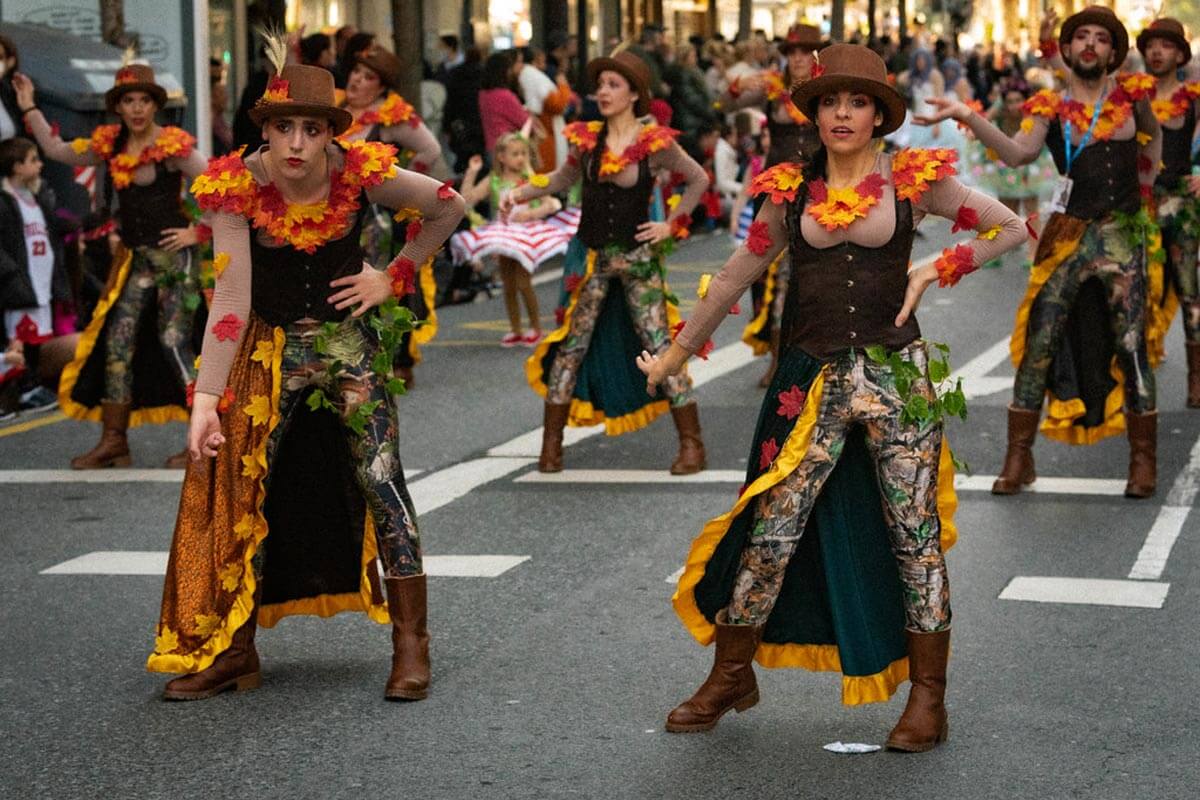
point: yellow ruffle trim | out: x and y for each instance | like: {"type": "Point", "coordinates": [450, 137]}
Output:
{"type": "Point", "coordinates": [583, 414]}
{"type": "Point", "coordinates": [425, 333]}
{"type": "Point", "coordinates": [750, 334]}
{"type": "Point", "coordinates": [243, 605]}
{"type": "Point", "coordinates": [1061, 415]}
{"type": "Point", "coordinates": [156, 415]}
{"type": "Point", "coordinates": [856, 689]}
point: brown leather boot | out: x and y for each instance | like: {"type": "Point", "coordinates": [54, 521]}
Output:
{"type": "Point", "coordinates": [691, 458]}
{"type": "Point", "coordinates": [178, 461]}
{"type": "Point", "coordinates": [1193, 364]}
{"type": "Point", "coordinates": [730, 683]}
{"type": "Point", "coordinates": [410, 639]}
{"type": "Point", "coordinates": [235, 668]}
{"type": "Point", "coordinates": [113, 448]}
{"type": "Point", "coordinates": [1018, 460]}
{"type": "Point", "coordinates": [554, 419]}
{"type": "Point", "coordinates": [924, 725]}
{"type": "Point", "coordinates": [1142, 430]}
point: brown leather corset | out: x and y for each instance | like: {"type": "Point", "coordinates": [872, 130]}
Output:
{"type": "Point", "coordinates": [145, 211]}
{"type": "Point", "coordinates": [1105, 175]}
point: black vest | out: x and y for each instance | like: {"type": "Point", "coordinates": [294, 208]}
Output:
{"type": "Point", "coordinates": [1177, 151]}
{"type": "Point", "coordinates": [289, 284]}
{"type": "Point", "coordinates": [847, 295]}
{"type": "Point", "coordinates": [1105, 175]}
{"type": "Point", "coordinates": [145, 211]}
{"type": "Point", "coordinates": [610, 214]}
{"type": "Point", "coordinates": [789, 141]}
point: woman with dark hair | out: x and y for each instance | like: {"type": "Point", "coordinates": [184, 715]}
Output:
{"type": "Point", "coordinates": [460, 117]}
{"type": "Point", "coordinates": [848, 455]}
{"type": "Point", "coordinates": [136, 357]}
{"type": "Point", "coordinates": [500, 108]}
{"type": "Point", "coordinates": [317, 51]}
{"type": "Point", "coordinates": [10, 112]}
{"type": "Point", "coordinates": [359, 42]}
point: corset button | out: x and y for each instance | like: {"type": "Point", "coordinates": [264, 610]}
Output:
{"type": "Point", "coordinates": [850, 309]}
{"type": "Point", "coordinates": [849, 256]}
{"type": "Point", "coordinates": [853, 335]}
{"type": "Point", "coordinates": [850, 284]}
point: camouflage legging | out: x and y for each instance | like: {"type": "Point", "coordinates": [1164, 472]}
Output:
{"type": "Point", "coordinates": [377, 468]}
{"type": "Point", "coordinates": [1104, 252]}
{"type": "Point", "coordinates": [857, 390]}
{"type": "Point", "coordinates": [648, 311]}
{"type": "Point", "coordinates": [1179, 219]}
{"type": "Point", "coordinates": [172, 279]}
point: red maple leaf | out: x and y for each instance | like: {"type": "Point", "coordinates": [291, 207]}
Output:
{"type": "Point", "coordinates": [571, 282]}
{"type": "Point", "coordinates": [446, 190]}
{"type": "Point", "coordinates": [967, 219]}
{"type": "Point", "coordinates": [735, 309]}
{"type": "Point", "coordinates": [227, 400]}
{"type": "Point", "coordinates": [791, 402]}
{"type": "Point", "coordinates": [413, 230]}
{"type": "Point", "coordinates": [27, 331]}
{"type": "Point", "coordinates": [1029, 226]}
{"type": "Point", "coordinates": [228, 328]}
{"type": "Point", "coordinates": [560, 315]}
{"type": "Point", "coordinates": [705, 349]}
{"type": "Point", "coordinates": [770, 449]}
{"type": "Point", "coordinates": [758, 240]}
{"type": "Point", "coordinates": [871, 185]}
{"type": "Point", "coordinates": [676, 328]}
{"type": "Point", "coordinates": [818, 192]}
{"type": "Point", "coordinates": [403, 272]}
{"type": "Point", "coordinates": [190, 392]}
{"type": "Point", "coordinates": [817, 70]}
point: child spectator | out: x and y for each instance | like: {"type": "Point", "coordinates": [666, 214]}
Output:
{"type": "Point", "coordinates": [521, 242]}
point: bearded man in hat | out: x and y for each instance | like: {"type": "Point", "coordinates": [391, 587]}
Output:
{"type": "Point", "coordinates": [1072, 335]}
{"type": "Point", "coordinates": [793, 138]}
{"type": "Point", "coordinates": [382, 115]}
{"type": "Point", "coordinates": [832, 556]}
{"type": "Point", "coordinates": [115, 378]}
{"type": "Point", "coordinates": [1165, 48]}
{"type": "Point", "coordinates": [294, 501]}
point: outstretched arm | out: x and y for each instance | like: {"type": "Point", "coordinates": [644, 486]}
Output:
{"type": "Point", "coordinates": [50, 142]}
{"type": "Point", "coordinates": [1014, 151]}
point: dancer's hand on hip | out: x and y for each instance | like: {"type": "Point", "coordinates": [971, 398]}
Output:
{"type": "Point", "coordinates": [918, 281]}
{"type": "Point", "coordinates": [365, 289]}
{"type": "Point", "coordinates": [204, 429]}
{"type": "Point", "coordinates": [653, 232]}
{"type": "Point", "coordinates": [176, 239]}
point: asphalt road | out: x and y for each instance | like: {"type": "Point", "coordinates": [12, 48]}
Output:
{"type": "Point", "coordinates": [552, 678]}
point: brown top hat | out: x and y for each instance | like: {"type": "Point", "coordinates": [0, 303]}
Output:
{"type": "Point", "coordinates": [630, 67]}
{"type": "Point", "coordinates": [1166, 28]}
{"type": "Point", "coordinates": [1105, 18]}
{"type": "Point", "coordinates": [853, 68]}
{"type": "Point", "coordinates": [383, 63]}
{"type": "Point", "coordinates": [134, 78]}
{"type": "Point", "coordinates": [805, 36]}
{"type": "Point", "coordinates": [301, 91]}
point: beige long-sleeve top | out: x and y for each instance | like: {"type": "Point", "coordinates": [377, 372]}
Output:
{"type": "Point", "coordinates": [943, 198]}
{"type": "Point", "coordinates": [670, 159]}
{"type": "Point", "coordinates": [440, 212]}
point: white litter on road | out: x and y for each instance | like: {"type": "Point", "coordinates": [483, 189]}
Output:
{"type": "Point", "coordinates": [852, 748]}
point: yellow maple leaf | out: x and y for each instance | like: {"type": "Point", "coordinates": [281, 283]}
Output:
{"type": "Point", "coordinates": [207, 624]}
{"type": "Point", "coordinates": [264, 352]}
{"type": "Point", "coordinates": [230, 576]}
{"type": "Point", "coordinates": [220, 262]}
{"type": "Point", "coordinates": [673, 201]}
{"type": "Point", "coordinates": [81, 146]}
{"type": "Point", "coordinates": [405, 214]}
{"type": "Point", "coordinates": [539, 180]}
{"type": "Point", "coordinates": [991, 233]}
{"type": "Point", "coordinates": [991, 154]}
{"type": "Point", "coordinates": [167, 640]}
{"type": "Point", "coordinates": [196, 363]}
{"type": "Point", "coordinates": [259, 409]}
{"type": "Point", "coordinates": [1143, 138]}
{"type": "Point", "coordinates": [247, 526]}
{"type": "Point", "coordinates": [251, 468]}
{"type": "Point", "coordinates": [702, 289]}
{"type": "Point", "coordinates": [1026, 124]}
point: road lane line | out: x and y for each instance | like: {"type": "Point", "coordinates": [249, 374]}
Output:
{"type": "Point", "coordinates": [1152, 560]}
{"type": "Point", "coordinates": [1108, 487]}
{"type": "Point", "coordinates": [974, 373]}
{"type": "Point", "coordinates": [583, 476]}
{"type": "Point", "coordinates": [143, 562]}
{"type": "Point", "coordinates": [1087, 591]}
{"type": "Point", "coordinates": [447, 485]}
{"type": "Point", "coordinates": [34, 476]}
{"type": "Point", "coordinates": [21, 427]}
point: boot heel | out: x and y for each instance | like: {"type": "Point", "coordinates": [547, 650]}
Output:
{"type": "Point", "coordinates": [747, 702]}
{"type": "Point", "coordinates": [945, 737]}
{"type": "Point", "coordinates": [121, 461]}
{"type": "Point", "coordinates": [248, 682]}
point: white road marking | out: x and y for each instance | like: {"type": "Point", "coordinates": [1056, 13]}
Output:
{"type": "Point", "coordinates": [1152, 560]}
{"type": "Point", "coordinates": [110, 475]}
{"type": "Point", "coordinates": [1110, 487]}
{"type": "Point", "coordinates": [547, 277]}
{"type": "Point", "coordinates": [674, 577]}
{"type": "Point", "coordinates": [447, 485]}
{"type": "Point", "coordinates": [141, 562]}
{"type": "Point", "coordinates": [1087, 591]}
{"type": "Point", "coordinates": [974, 372]}
{"type": "Point", "coordinates": [633, 476]}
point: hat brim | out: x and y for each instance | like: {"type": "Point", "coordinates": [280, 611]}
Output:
{"type": "Point", "coordinates": [894, 109]}
{"type": "Point", "coordinates": [1143, 41]}
{"type": "Point", "coordinates": [339, 118]}
{"type": "Point", "coordinates": [603, 63]}
{"type": "Point", "coordinates": [114, 95]}
{"type": "Point", "coordinates": [812, 47]}
{"type": "Point", "coordinates": [387, 78]}
{"type": "Point", "coordinates": [1106, 21]}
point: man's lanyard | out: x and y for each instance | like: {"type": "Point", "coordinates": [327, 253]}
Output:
{"type": "Point", "coordinates": [1087, 137]}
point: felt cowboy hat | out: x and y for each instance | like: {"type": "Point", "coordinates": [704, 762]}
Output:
{"type": "Point", "coordinates": [1105, 18]}
{"type": "Point", "coordinates": [301, 91]}
{"type": "Point", "coordinates": [854, 68]}
{"type": "Point", "coordinates": [805, 36]}
{"type": "Point", "coordinates": [1169, 29]}
{"type": "Point", "coordinates": [134, 78]}
{"type": "Point", "coordinates": [386, 65]}
{"type": "Point", "coordinates": [632, 69]}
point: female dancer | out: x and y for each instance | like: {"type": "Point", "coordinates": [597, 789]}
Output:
{"type": "Point", "coordinates": [382, 115]}
{"type": "Point", "coordinates": [303, 327]}
{"type": "Point", "coordinates": [119, 376]}
{"type": "Point", "coordinates": [852, 360]}
{"type": "Point", "coordinates": [579, 368]}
